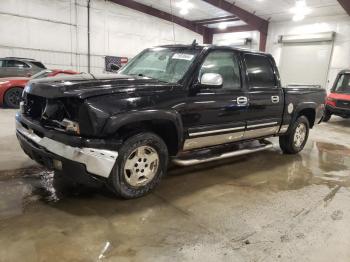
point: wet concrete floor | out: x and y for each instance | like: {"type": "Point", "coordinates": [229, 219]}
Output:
{"type": "Point", "coordinates": [262, 207]}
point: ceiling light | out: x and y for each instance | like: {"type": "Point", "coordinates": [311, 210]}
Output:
{"type": "Point", "coordinates": [222, 26]}
{"type": "Point", "coordinates": [184, 11]}
{"type": "Point", "coordinates": [300, 10]}
{"type": "Point", "coordinates": [184, 4]}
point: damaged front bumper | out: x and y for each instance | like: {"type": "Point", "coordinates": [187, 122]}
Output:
{"type": "Point", "coordinates": [45, 150]}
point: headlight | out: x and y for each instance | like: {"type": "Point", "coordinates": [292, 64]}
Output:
{"type": "Point", "coordinates": [71, 126]}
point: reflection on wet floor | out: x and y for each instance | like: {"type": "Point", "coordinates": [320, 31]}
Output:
{"type": "Point", "coordinates": [319, 164]}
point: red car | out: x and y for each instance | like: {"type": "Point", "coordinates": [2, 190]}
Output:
{"type": "Point", "coordinates": [11, 88]}
{"type": "Point", "coordinates": [338, 101]}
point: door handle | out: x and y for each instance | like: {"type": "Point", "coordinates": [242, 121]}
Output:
{"type": "Point", "coordinates": [275, 99]}
{"type": "Point", "coordinates": [242, 100]}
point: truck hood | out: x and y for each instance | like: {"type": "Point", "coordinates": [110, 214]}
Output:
{"type": "Point", "coordinates": [88, 85]}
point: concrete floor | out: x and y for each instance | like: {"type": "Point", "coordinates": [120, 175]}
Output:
{"type": "Point", "coordinates": [261, 207]}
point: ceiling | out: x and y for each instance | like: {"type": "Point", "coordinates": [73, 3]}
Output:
{"type": "Point", "coordinates": [273, 10]}
{"type": "Point", "coordinates": [278, 10]}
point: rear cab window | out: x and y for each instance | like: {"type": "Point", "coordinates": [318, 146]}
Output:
{"type": "Point", "coordinates": [260, 71]}
{"type": "Point", "coordinates": [38, 64]}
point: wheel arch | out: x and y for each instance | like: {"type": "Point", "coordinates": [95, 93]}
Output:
{"type": "Point", "coordinates": [308, 110]}
{"type": "Point", "coordinates": [166, 124]}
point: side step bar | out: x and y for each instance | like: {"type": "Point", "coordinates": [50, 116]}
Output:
{"type": "Point", "coordinates": [195, 161]}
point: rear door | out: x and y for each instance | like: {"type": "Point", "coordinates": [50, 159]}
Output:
{"type": "Point", "coordinates": [266, 99]}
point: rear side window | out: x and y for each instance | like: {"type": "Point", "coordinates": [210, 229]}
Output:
{"type": "Point", "coordinates": [16, 63]}
{"type": "Point", "coordinates": [38, 64]}
{"type": "Point", "coordinates": [2, 63]}
{"type": "Point", "coordinates": [260, 71]}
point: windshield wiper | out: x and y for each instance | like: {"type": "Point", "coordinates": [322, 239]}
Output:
{"type": "Point", "coordinates": [142, 75]}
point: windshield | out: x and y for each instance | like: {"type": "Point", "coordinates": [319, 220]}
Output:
{"type": "Point", "coordinates": [41, 74]}
{"type": "Point", "coordinates": [343, 84]}
{"type": "Point", "coordinates": [163, 64]}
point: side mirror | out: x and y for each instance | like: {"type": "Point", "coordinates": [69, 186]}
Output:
{"type": "Point", "coordinates": [211, 80]}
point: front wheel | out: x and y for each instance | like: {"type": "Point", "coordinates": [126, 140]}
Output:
{"type": "Point", "coordinates": [295, 140]}
{"type": "Point", "coordinates": [142, 161]}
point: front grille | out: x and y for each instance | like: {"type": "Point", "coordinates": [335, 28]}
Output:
{"type": "Point", "coordinates": [343, 104]}
{"type": "Point", "coordinates": [34, 105]}
{"type": "Point", "coordinates": [51, 112]}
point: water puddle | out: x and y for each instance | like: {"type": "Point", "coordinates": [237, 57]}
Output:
{"type": "Point", "coordinates": [319, 164]}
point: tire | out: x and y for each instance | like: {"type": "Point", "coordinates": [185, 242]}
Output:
{"type": "Point", "coordinates": [327, 116]}
{"type": "Point", "coordinates": [295, 140]}
{"type": "Point", "coordinates": [142, 161]}
{"type": "Point", "coordinates": [13, 97]}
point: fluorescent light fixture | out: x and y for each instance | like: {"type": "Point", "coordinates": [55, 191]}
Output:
{"type": "Point", "coordinates": [300, 10]}
{"type": "Point", "coordinates": [222, 26]}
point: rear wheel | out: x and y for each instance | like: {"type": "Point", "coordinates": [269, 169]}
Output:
{"type": "Point", "coordinates": [295, 140]}
{"type": "Point", "coordinates": [13, 97]}
{"type": "Point", "coordinates": [327, 116]}
{"type": "Point", "coordinates": [141, 163]}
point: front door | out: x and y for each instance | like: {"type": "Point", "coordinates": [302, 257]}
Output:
{"type": "Point", "coordinates": [266, 100]}
{"type": "Point", "coordinates": [214, 116]}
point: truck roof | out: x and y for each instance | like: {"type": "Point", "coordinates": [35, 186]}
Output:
{"type": "Point", "coordinates": [198, 46]}
{"type": "Point", "coordinates": [345, 71]}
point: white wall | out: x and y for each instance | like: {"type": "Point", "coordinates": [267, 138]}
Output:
{"type": "Point", "coordinates": [55, 32]}
{"type": "Point", "coordinates": [339, 24]}
{"type": "Point", "coordinates": [231, 38]}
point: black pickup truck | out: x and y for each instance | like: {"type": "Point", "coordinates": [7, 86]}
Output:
{"type": "Point", "coordinates": [186, 103]}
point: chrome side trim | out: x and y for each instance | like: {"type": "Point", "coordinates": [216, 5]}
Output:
{"type": "Point", "coordinates": [255, 133]}
{"type": "Point", "coordinates": [189, 162]}
{"type": "Point", "coordinates": [200, 142]}
{"type": "Point", "coordinates": [263, 124]}
{"type": "Point", "coordinates": [216, 131]}
{"type": "Point", "coordinates": [97, 161]}
{"type": "Point", "coordinates": [283, 129]}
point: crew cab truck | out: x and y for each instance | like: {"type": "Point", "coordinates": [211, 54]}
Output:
{"type": "Point", "coordinates": [338, 101]}
{"type": "Point", "coordinates": [185, 103]}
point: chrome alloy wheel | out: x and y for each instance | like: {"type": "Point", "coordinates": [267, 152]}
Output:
{"type": "Point", "coordinates": [299, 135]}
{"type": "Point", "coordinates": [141, 166]}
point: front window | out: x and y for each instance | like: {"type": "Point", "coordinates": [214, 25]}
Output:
{"type": "Point", "coordinates": [343, 84]}
{"type": "Point", "coordinates": [164, 64]}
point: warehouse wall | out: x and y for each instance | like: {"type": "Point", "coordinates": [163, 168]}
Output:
{"type": "Point", "coordinates": [55, 32]}
{"type": "Point", "coordinates": [233, 38]}
{"type": "Point", "coordinates": [339, 24]}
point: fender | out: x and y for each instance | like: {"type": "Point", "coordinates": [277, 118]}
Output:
{"type": "Point", "coordinates": [115, 122]}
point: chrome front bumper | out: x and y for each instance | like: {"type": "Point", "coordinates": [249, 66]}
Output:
{"type": "Point", "coordinates": [97, 161]}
